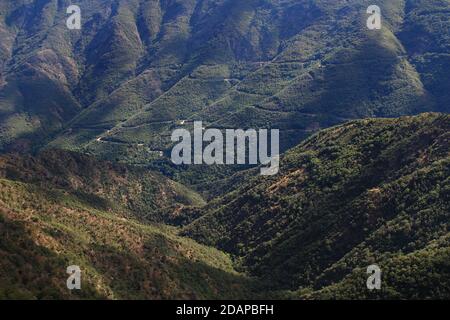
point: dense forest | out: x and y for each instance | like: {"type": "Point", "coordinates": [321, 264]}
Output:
{"type": "Point", "coordinates": [367, 192]}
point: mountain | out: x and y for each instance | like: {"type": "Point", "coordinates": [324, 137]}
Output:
{"type": "Point", "coordinates": [86, 118]}
{"type": "Point", "coordinates": [372, 191]}
{"type": "Point", "coordinates": [137, 192]}
{"type": "Point", "coordinates": [138, 69]}
{"type": "Point", "coordinates": [366, 192]}
{"type": "Point", "coordinates": [50, 220]}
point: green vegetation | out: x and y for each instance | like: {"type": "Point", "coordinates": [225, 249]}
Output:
{"type": "Point", "coordinates": [136, 71]}
{"type": "Point", "coordinates": [85, 123]}
{"type": "Point", "coordinates": [367, 192]}
{"type": "Point", "coordinates": [45, 229]}
{"type": "Point", "coordinates": [137, 192]}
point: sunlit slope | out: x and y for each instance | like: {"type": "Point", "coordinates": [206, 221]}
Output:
{"type": "Point", "coordinates": [137, 192]}
{"type": "Point", "coordinates": [42, 232]}
{"type": "Point", "coordinates": [138, 69]}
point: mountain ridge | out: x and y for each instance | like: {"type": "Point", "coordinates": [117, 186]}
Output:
{"type": "Point", "coordinates": [308, 233]}
{"type": "Point", "coordinates": [296, 66]}
{"type": "Point", "coordinates": [348, 197]}
{"type": "Point", "coordinates": [86, 177]}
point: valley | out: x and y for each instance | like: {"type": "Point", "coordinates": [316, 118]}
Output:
{"type": "Point", "coordinates": [87, 176]}
{"type": "Point", "coordinates": [307, 233]}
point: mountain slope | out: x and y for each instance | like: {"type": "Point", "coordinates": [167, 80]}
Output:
{"type": "Point", "coordinates": [61, 209]}
{"type": "Point", "coordinates": [43, 232]}
{"type": "Point", "coordinates": [136, 192]}
{"type": "Point", "coordinates": [367, 192]}
{"type": "Point", "coordinates": [137, 69]}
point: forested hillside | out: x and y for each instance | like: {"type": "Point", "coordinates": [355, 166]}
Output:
{"type": "Point", "coordinates": [86, 177]}
{"type": "Point", "coordinates": [367, 192]}
{"type": "Point", "coordinates": [60, 215]}
{"type": "Point", "coordinates": [138, 69]}
{"type": "Point", "coordinates": [137, 192]}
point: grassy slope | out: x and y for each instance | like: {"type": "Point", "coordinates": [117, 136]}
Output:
{"type": "Point", "coordinates": [137, 192]}
{"type": "Point", "coordinates": [44, 231]}
{"type": "Point", "coordinates": [370, 191]}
